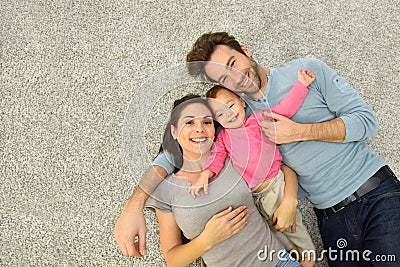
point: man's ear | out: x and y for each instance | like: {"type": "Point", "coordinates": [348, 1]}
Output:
{"type": "Point", "coordinates": [173, 132]}
{"type": "Point", "coordinates": [246, 50]}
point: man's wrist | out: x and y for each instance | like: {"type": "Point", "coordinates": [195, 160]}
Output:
{"type": "Point", "coordinates": [137, 200]}
{"type": "Point", "coordinates": [303, 132]}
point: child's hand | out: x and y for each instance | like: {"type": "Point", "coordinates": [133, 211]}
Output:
{"type": "Point", "coordinates": [202, 182]}
{"type": "Point", "coordinates": [306, 77]}
{"type": "Point", "coordinates": [285, 215]}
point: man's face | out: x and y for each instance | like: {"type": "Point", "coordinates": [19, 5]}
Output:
{"type": "Point", "coordinates": [233, 70]}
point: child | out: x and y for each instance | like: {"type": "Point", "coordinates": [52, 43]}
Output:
{"type": "Point", "coordinates": [258, 160]}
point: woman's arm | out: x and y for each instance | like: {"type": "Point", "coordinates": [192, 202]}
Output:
{"type": "Point", "coordinates": [285, 214]}
{"type": "Point", "coordinates": [219, 228]}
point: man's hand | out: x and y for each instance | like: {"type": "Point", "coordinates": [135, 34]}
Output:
{"type": "Point", "coordinates": [131, 224]}
{"type": "Point", "coordinates": [282, 130]}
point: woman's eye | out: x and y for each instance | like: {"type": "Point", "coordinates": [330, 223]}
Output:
{"type": "Point", "coordinates": [208, 122]}
{"type": "Point", "coordinates": [189, 122]}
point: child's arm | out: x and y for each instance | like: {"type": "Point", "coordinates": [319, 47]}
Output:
{"type": "Point", "coordinates": [214, 164]}
{"type": "Point", "coordinates": [295, 98]}
{"type": "Point", "coordinates": [202, 182]}
{"type": "Point", "coordinates": [285, 215]}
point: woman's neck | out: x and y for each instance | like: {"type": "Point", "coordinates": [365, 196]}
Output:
{"type": "Point", "coordinates": [191, 167]}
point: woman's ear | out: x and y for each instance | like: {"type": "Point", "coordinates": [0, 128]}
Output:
{"type": "Point", "coordinates": [173, 132]}
{"type": "Point", "coordinates": [246, 50]}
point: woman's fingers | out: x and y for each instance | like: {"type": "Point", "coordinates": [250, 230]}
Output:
{"type": "Point", "coordinates": [235, 212]}
{"type": "Point", "coordinates": [223, 213]}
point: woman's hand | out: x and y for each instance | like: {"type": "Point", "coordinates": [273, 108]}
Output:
{"type": "Point", "coordinates": [224, 225]}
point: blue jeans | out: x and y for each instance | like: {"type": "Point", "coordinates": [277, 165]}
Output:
{"type": "Point", "coordinates": [287, 261]}
{"type": "Point", "coordinates": [367, 231]}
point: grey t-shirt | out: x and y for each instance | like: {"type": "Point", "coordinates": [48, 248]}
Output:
{"type": "Point", "coordinates": [253, 242]}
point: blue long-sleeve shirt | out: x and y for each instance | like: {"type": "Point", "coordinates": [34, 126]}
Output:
{"type": "Point", "coordinates": [328, 172]}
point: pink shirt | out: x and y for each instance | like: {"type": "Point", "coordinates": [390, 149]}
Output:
{"type": "Point", "coordinates": [254, 156]}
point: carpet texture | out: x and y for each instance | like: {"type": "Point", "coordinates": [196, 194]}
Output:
{"type": "Point", "coordinates": [69, 69]}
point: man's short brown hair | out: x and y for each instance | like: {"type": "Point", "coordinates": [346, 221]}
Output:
{"type": "Point", "coordinates": [204, 47]}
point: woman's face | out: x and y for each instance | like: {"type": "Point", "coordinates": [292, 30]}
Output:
{"type": "Point", "coordinates": [194, 131]}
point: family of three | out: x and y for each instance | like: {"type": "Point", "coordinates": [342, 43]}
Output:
{"type": "Point", "coordinates": [321, 131]}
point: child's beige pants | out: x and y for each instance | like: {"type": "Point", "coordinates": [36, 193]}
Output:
{"type": "Point", "coordinates": [267, 201]}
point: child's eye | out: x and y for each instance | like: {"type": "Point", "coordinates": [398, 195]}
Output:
{"type": "Point", "coordinates": [231, 105]}
{"type": "Point", "coordinates": [233, 63]}
{"type": "Point", "coordinates": [218, 115]}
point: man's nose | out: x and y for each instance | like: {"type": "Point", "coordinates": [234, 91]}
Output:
{"type": "Point", "coordinates": [237, 77]}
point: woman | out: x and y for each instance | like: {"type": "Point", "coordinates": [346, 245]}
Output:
{"type": "Point", "coordinates": [224, 226]}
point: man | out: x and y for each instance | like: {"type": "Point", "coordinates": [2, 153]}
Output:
{"type": "Point", "coordinates": [355, 195]}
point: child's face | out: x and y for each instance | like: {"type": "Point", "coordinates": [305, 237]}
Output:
{"type": "Point", "coordinates": [228, 109]}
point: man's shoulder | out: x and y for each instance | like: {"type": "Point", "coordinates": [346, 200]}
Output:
{"type": "Point", "coordinates": [304, 61]}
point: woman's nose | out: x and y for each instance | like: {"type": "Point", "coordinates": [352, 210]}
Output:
{"type": "Point", "coordinates": [199, 128]}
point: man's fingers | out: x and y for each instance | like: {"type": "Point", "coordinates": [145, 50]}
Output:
{"type": "Point", "coordinates": [123, 249]}
{"type": "Point", "coordinates": [132, 249]}
{"type": "Point", "coordinates": [142, 242]}
{"type": "Point", "coordinates": [274, 115]}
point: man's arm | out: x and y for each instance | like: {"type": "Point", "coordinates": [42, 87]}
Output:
{"type": "Point", "coordinates": [290, 131]}
{"type": "Point", "coordinates": [352, 118]}
{"type": "Point", "coordinates": [131, 223]}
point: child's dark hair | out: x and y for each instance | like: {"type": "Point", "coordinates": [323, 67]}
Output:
{"type": "Point", "coordinates": [213, 91]}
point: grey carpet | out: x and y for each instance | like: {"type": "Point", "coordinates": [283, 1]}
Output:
{"type": "Point", "coordinates": [68, 71]}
